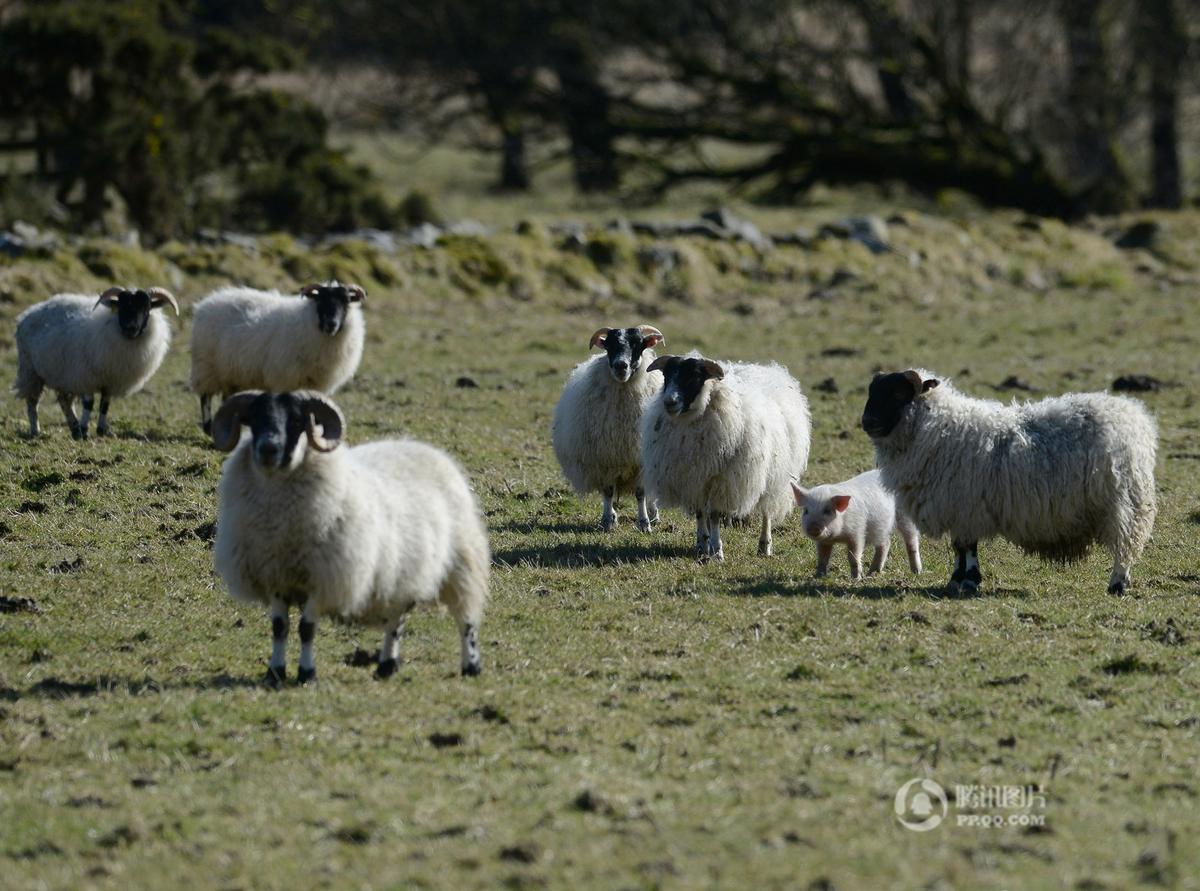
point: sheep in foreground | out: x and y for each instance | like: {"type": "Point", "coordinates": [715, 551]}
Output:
{"type": "Point", "coordinates": [858, 513]}
{"type": "Point", "coordinates": [363, 533]}
{"type": "Point", "coordinates": [246, 339]}
{"type": "Point", "coordinates": [596, 431]}
{"type": "Point", "coordinates": [1052, 477]}
{"type": "Point", "coordinates": [79, 345]}
{"type": "Point", "coordinates": [723, 440]}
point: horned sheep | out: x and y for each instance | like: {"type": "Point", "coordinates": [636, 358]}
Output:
{"type": "Point", "coordinates": [363, 533]}
{"type": "Point", "coordinates": [1053, 477]}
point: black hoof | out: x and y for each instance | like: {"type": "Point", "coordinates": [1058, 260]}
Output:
{"type": "Point", "coordinates": [206, 426]}
{"type": "Point", "coordinates": [472, 669]}
{"type": "Point", "coordinates": [275, 677]}
{"type": "Point", "coordinates": [102, 431]}
{"type": "Point", "coordinates": [77, 433]}
{"type": "Point", "coordinates": [385, 669]}
{"type": "Point", "coordinates": [1117, 588]}
{"type": "Point", "coordinates": [306, 676]}
{"type": "Point", "coordinates": [970, 586]}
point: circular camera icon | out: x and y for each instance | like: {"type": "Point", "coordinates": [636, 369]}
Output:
{"type": "Point", "coordinates": [921, 805]}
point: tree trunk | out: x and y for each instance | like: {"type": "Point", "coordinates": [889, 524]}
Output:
{"type": "Point", "coordinates": [1166, 42]}
{"type": "Point", "coordinates": [1101, 175]}
{"type": "Point", "coordinates": [514, 171]}
{"type": "Point", "coordinates": [586, 110]}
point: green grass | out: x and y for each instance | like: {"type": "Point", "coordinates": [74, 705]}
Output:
{"type": "Point", "coordinates": [643, 721]}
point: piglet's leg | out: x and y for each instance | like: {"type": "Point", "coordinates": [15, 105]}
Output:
{"type": "Point", "coordinates": [881, 555]}
{"type": "Point", "coordinates": [854, 551]}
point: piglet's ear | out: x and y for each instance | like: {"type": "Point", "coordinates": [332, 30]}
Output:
{"type": "Point", "coordinates": [598, 338]}
{"type": "Point", "coordinates": [660, 363]}
{"type": "Point", "coordinates": [929, 385]}
{"type": "Point", "coordinates": [799, 494]}
{"type": "Point", "coordinates": [840, 503]}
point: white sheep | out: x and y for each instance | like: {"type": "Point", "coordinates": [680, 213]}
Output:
{"type": "Point", "coordinates": [723, 440]}
{"type": "Point", "coordinates": [79, 345]}
{"type": "Point", "coordinates": [858, 513]}
{"type": "Point", "coordinates": [246, 339]}
{"type": "Point", "coordinates": [1052, 477]}
{"type": "Point", "coordinates": [363, 533]}
{"type": "Point", "coordinates": [596, 432]}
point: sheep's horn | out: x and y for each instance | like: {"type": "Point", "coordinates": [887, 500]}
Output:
{"type": "Point", "coordinates": [159, 296]}
{"type": "Point", "coordinates": [916, 381]}
{"type": "Point", "coordinates": [598, 337]}
{"type": "Point", "coordinates": [227, 424]}
{"type": "Point", "coordinates": [107, 296]}
{"type": "Point", "coordinates": [323, 413]}
{"type": "Point", "coordinates": [309, 290]}
{"type": "Point", "coordinates": [660, 363]}
{"type": "Point", "coordinates": [648, 331]}
{"type": "Point", "coordinates": [358, 295]}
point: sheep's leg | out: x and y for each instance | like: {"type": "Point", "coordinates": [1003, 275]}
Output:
{"type": "Point", "coordinates": [389, 651]}
{"type": "Point", "coordinates": [881, 555]}
{"type": "Point", "coordinates": [971, 563]}
{"type": "Point", "coordinates": [67, 403]}
{"type": "Point", "coordinates": [701, 536]}
{"type": "Point", "coordinates": [824, 554]}
{"type": "Point", "coordinates": [31, 406]}
{"type": "Point", "coordinates": [306, 672]}
{"type": "Point", "coordinates": [608, 519]}
{"type": "Point", "coordinates": [644, 519]}
{"type": "Point", "coordinates": [102, 421]}
{"type": "Point", "coordinates": [764, 538]}
{"type": "Point", "coordinates": [86, 416]}
{"type": "Point", "coordinates": [1119, 580]}
{"type": "Point", "coordinates": [472, 665]}
{"type": "Point", "coordinates": [715, 549]}
{"type": "Point", "coordinates": [854, 551]}
{"type": "Point", "coordinates": [277, 667]}
{"type": "Point", "coordinates": [206, 413]}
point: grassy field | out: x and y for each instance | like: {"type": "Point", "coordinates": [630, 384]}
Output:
{"type": "Point", "coordinates": [643, 721]}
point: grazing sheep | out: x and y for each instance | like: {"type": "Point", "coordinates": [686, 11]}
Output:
{"type": "Point", "coordinates": [723, 441]}
{"type": "Point", "coordinates": [245, 339]}
{"type": "Point", "coordinates": [858, 513]}
{"type": "Point", "coordinates": [596, 422]}
{"type": "Point", "coordinates": [1052, 476]}
{"type": "Point", "coordinates": [70, 344]}
{"type": "Point", "coordinates": [363, 533]}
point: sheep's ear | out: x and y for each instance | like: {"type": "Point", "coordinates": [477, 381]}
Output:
{"type": "Point", "coordinates": [599, 337]}
{"type": "Point", "coordinates": [163, 297]}
{"type": "Point", "coordinates": [227, 424]}
{"type": "Point", "coordinates": [712, 369]}
{"type": "Point", "coordinates": [651, 336]}
{"type": "Point", "coordinates": [660, 363]}
{"type": "Point", "coordinates": [110, 298]}
{"type": "Point", "coordinates": [799, 494]}
{"type": "Point", "coordinates": [357, 294]}
{"type": "Point", "coordinates": [840, 503]}
{"type": "Point", "coordinates": [930, 384]}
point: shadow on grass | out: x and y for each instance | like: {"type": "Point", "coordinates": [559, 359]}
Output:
{"type": "Point", "coordinates": [55, 688]}
{"type": "Point", "coordinates": [191, 437]}
{"type": "Point", "coordinates": [578, 556]}
{"type": "Point", "coordinates": [869, 590]}
{"type": "Point", "coordinates": [528, 527]}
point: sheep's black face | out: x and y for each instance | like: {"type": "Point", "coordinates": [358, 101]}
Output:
{"type": "Point", "coordinates": [624, 347]}
{"type": "Point", "coordinates": [887, 398]}
{"type": "Point", "coordinates": [278, 424]}
{"type": "Point", "coordinates": [684, 380]}
{"type": "Point", "coordinates": [133, 312]}
{"type": "Point", "coordinates": [332, 303]}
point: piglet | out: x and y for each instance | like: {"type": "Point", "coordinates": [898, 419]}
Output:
{"type": "Point", "coordinates": [859, 513]}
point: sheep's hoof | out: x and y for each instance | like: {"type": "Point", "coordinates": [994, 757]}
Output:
{"type": "Point", "coordinates": [645, 525]}
{"type": "Point", "coordinates": [78, 433]}
{"type": "Point", "coordinates": [952, 586]}
{"type": "Point", "coordinates": [385, 669]}
{"type": "Point", "coordinates": [306, 676]}
{"type": "Point", "coordinates": [276, 675]}
{"type": "Point", "coordinates": [102, 431]}
{"type": "Point", "coordinates": [1117, 588]}
{"type": "Point", "coordinates": [608, 524]}
{"type": "Point", "coordinates": [764, 549]}
{"type": "Point", "coordinates": [472, 669]}
{"type": "Point", "coordinates": [969, 586]}
{"type": "Point", "coordinates": [206, 426]}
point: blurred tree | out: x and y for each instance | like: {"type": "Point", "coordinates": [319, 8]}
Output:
{"type": "Point", "coordinates": [1164, 42]}
{"type": "Point", "coordinates": [154, 99]}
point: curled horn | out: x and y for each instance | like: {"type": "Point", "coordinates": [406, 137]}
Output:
{"type": "Point", "coordinates": [916, 381]}
{"type": "Point", "coordinates": [598, 337]}
{"type": "Point", "coordinates": [660, 363]}
{"type": "Point", "coordinates": [324, 414]}
{"type": "Point", "coordinates": [227, 425]}
{"type": "Point", "coordinates": [108, 297]}
{"type": "Point", "coordinates": [357, 294]}
{"type": "Point", "coordinates": [159, 296]}
{"type": "Point", "coordinates": [652, 334]}
{"type": "Point", "coordinates": [309, 290]}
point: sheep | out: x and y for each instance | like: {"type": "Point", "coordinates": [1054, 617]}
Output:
{"type": "Point", "coordinates": [595, 431]}
{"type": "Point", "coordinates": [723, 440]}
{"type": "Point", "coordinates": [858, 513]}
{"type": "Point", "coordinates": [363, 533]}
{"type": "Point", "coordinates": [1053, 477]}
{"type": "Point", "coordinates": [66, 344]}
{"type": "Point", "coordinates": [244, 339]}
